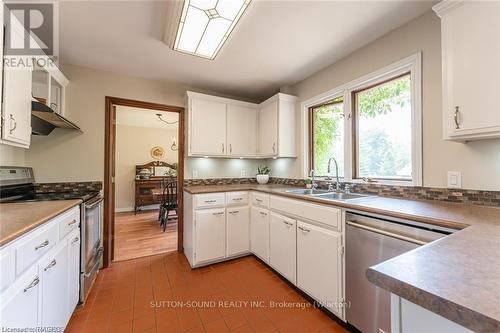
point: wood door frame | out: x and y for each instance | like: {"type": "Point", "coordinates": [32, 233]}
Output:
{"type": "Point", "coordinates": [109, 153]}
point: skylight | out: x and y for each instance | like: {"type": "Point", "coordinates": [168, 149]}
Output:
{"type": "Point", "coordinates": [206, 24]}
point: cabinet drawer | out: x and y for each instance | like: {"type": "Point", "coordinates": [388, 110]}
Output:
{"type": "Point", "coordinates": [260, 200]}
{"type": "Point", "coordinates": [209, 200]}
{"type": "Point", "coordinates": [69, 221]}
{"type": "Point", "coordinates": [311, 211]}
{"type": "Point", "coordinates": [36, 244]}
{"type": "Point", "coordinates": [237, 198]}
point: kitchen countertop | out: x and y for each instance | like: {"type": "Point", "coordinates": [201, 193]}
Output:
{"type": "Point", "coordinates": [457, 277]}
{"type": "Point", "coordinates": [18, 218]}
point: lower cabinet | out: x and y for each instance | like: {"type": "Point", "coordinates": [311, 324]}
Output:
{"type": "Point", "coordinates": [73, 269]}
{"type": "Point", "coordinates": [319, 265]}
{"type": "Point", "coordinates": [54, 271]}
{"type": "Point", "coordinates": [282, 245]}
{"type": "Point", "coordinates": [259, 242]}
{"type": "Point", "coordinates": [20, 302]}
{"type": "Point", "coordinates": [210, 235]}
{"type": "Point", "coordinates": [237, 231]}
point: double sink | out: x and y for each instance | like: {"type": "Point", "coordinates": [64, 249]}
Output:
{"type": "Point", "coordinates": [324, 194]}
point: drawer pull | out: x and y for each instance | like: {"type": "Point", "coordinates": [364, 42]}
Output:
{"type": "Point", "coordinates": [263, 214]}
{"type": "Point", "coordinates": [217, 214]}
{"type": "Point", "coordinates": [258, 200]}
{"type": "Point", "coordinates": [32, 284]}
{"type": "Point", "coordinates": [234, 212]}
{"type": "Point", "coordinates": [42, 245]}
{"type": "Point", "coordinates": [210, 201]}
{"type": "Point", "coordinates": [75, 240]}
{"type": "Point", "coordinates": [72, 222]}
{"type": "Point", "coordinates": [49, 266]}
{"type": "Point", "coordinates": [304, 229]}
{"type": "Point", "coordinates": [288, 223]}
{"type": "Point", "coordinates": [237, 199]}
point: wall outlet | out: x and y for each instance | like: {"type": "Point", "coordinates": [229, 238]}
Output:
{"type": "Point", "coordinates": [454, 179]}
{"type": "Point", "coordinates": [243, 173]}
{"type": "Point", "coordinates": [195, 174]}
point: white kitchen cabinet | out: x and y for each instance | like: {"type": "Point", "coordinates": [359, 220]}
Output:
{"type": "Point", "coordinates": [54, 272]}
{"type": "Point", "coordinates": [241, 131]}
{"type": "Point", "coordinates": [237, 230]}
{"type": "Point", "coordinates": [277, 126]}
{"type": "Point", "coordinates": [470, 44]}
{"type": "Point", "coordinates": [20, 302]}
{"type": "Point", "coordinates": [259, 242]}
{"type": "Point", "coordinates": [73, 270]}
{"type": "Point", "coordinates": [319, 265]}
{"type": "Point", "coordinates": [210, 235]}
{"type": "Point", "coordinates": [282, 245]}
{"type": "Point", "coordinates": [207, 123]}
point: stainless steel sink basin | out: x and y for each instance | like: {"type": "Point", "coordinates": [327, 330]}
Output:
{"type": "Point", "coordinates": [306, 191]}
{"type": "Point", "coordinates": [340, 196]}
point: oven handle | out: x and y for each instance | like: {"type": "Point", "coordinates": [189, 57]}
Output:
{"type": "Point", "coordinates": [96, 265]}
{"type": "Point", "coordinates": [94, 202]}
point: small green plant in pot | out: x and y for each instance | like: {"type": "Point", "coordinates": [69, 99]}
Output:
{"type": "Point", "coordinates": [263, 172]}
{"type": "Point", "coordinates": [308, 182]}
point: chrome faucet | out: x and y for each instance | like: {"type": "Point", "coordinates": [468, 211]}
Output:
{"type": "Point", "coordinates": [312, 174]}
{"type": "Point", "coordinates": [337, 185]}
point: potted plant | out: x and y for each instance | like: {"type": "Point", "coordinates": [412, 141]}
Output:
{"type": "Point", "coordinates": [263, 172]}
{"type": "Point", "coordinates": [308, 182]}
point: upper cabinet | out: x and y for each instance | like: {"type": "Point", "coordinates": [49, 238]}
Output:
{"type": "Point", "coordinates": [470, 40]}
{"type": "Point", "coordinates": [222, 127]}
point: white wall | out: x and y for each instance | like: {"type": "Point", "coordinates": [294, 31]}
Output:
{"type": "Point", "coordinates": [12, 156]}
{"type": "Point", "coordinates": [72, 156]}
{"type": "Point", "coordinates": [133, 146]}
{"type": "Point", "coordinates": [478, 161]}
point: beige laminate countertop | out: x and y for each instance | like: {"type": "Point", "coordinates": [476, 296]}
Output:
{"type": "Point", "coordinates": [18, 218]}
{"type": "Point", "coordinates": [457, 277]}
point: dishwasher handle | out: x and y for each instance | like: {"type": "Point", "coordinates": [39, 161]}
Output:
{"type": "Point", "coordinates": [386, 233]}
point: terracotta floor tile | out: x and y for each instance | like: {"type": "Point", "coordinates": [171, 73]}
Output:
{"type": "Point", "coordinates": [243, 329]}
{"type": "Point", "coordinates": [144, 323]}
{"type": "Point", "coordinates": [208, 315]}
{"type": "Point", "coordinates": [188, 319]}
{"type": "Point", "coordinates": [197, 329]}
{"type": "Point", "coordinates": [216, 326]}
{"type": "Point", "coordinates": [235, 320]}
{"type": "Point", "coordinates": [122, 317]}
{"type": "Point", "coordinates": [125, 327]}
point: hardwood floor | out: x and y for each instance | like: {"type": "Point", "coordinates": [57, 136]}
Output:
{"type": "Point", "coordinates": [163, 294]}
{"type": "Point", "coordinates": [140, 235]}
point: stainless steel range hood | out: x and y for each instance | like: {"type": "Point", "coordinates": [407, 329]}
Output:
{"type": "Point", "coordinates": [44, 120]}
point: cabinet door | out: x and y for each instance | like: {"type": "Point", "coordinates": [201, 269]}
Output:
{"type": "Point", "coordinates": [73, 270]}
{"type": "Point", "coordinates": [260, 233]}
{"type": "Point", "coordinates": [319, 268]}
{"type": "Point", "coordinates": [54, 271]}
{"type": "Point", "coordinates": [471, 49]}
{"type": "Point", "coordinates": [210, 235]}
{"type": "Point", "coordinates": [19, 303]}
{"type": "Point", "coordinates": [16, 126]}
{"type": "Point", "coordinates": [268, 129]}
{"type": "Point", "coordinates": [208, 128]}
{"type": "Point", "coordinates": [241, 131]}
{"type": "Point", "coordinates": [238, 230]}
{"type": "Point", "coordinates": [282, 245]}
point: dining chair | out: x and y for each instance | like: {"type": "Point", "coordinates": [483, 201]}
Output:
{"type": "Point", "coordinates": [169, 202]}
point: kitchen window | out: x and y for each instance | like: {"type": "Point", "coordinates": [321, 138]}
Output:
{"type": "Point", "coordinates": [371, 126]}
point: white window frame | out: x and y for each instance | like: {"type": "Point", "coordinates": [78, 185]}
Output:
{"type": "Point", "coordinates": [411, 64]}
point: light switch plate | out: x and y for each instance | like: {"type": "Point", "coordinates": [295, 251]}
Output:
{"type": "Point", "coordinates": [454, 179]}
{"type": "Point", "coordinates": [243, 173]}
{"type": "Point", "coordinates": [195, 174]}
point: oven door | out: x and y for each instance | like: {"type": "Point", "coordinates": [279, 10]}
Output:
{"type": "Point", "coordinates": [91, 250]}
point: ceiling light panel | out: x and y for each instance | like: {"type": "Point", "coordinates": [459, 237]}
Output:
{"type": "Point", "coordinates": [205, 25]}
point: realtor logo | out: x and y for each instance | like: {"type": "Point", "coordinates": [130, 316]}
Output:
{"type": "Point", "coordinates": [29, 29]}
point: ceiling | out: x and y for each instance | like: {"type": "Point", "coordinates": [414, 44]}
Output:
{"type": "Point", "coordinates": [276, 43]}
{"type": "Point", "coordinates": [129, 116]}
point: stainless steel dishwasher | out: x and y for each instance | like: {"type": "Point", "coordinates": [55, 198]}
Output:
{"type": "Point", "coordinates": [371, 240]}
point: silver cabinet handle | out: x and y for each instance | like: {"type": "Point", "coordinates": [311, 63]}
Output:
{"type": "Point", "coordinates": [274, 147]}
{"type": "Point", "coordinates": [217, 214]}
{"type": "Point", "coordinates": [210, 201]}
{"type": "Point", "coordinates": [15, 124]}
{"type": "Point", "coordinates": [32, 284]}
{"type": "Point", "coordinates": [304, 229]}
{"type": "Point", "coordinates": [223, 148]}
{"type": "Point", "coordinates": [72, 222]}
{"type": "Point", "coordinates": [234, 212]}
{"type": "Point", "coordinates": [455, 116]}
{"type": "Point", "coordinates": [42, 245]}
{"type": "Point", "coordinates": [49, 266]}
{"type": "Point", "coordinates": [258, 200]}
{"type": "Point", "coordinates": [230, 148]}
{"type": "Point", "coordinates": [386, 233]}
{"type": "Point", "coordinates": [288, 223]}
{"type": "Point", "coordinates": [76, 239]}
{"type": "Point", "coordinates": [237, 199]}
{"type": "Point", "coordinates": [263, 214]}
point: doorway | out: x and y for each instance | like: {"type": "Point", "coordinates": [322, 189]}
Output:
{"type": "Point", "coordinates": [136, 178]}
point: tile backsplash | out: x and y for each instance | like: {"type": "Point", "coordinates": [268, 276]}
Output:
{"type": "Point", "coordinates": [68, 187]}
